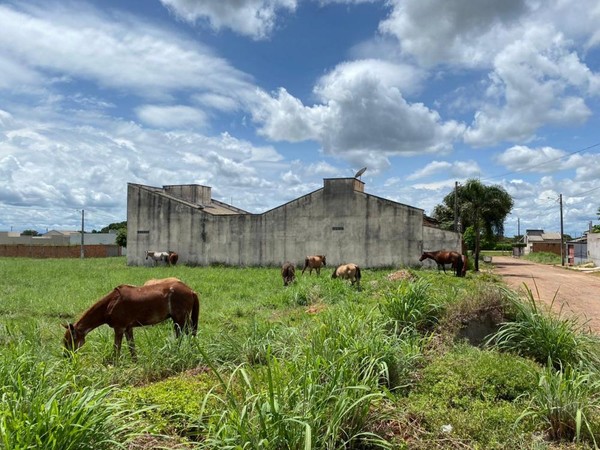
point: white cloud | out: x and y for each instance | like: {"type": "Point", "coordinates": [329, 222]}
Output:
{"type": "Point", "coordinates": [455, 169]}
{"type": "Point", "coordinates": [362, 116]}
{"type": "Point", "coordinates": [532, 86]}
{"type": "Point", "coordinates": [254, 18]}
{"type": "Point", "coordinates": [178, 116]}
{"type": "Point", "coordinates": [119, 52]}
{"type": "Point", "coordinates": [460, 32]}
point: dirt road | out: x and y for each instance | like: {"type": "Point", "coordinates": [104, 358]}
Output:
{"type": "Point", "coordinates": [577, 293]}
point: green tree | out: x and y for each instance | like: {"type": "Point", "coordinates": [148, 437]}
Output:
{"type": "Point", "coordinates": [121, 238]}
{"type": "Point", "coordinates": [113, 227]}
{"type": "Point", "coordinates": [30, 233]}
{"type": "Point", "coordinates": [481, 207]}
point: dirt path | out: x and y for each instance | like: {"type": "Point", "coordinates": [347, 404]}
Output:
{"type": "Point", "coordinates": [578, 293]}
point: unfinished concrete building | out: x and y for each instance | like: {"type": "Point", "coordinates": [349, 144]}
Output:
{"type": "Point", "coordinates": [339, 220]}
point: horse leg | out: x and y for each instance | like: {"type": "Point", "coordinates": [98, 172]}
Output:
{"type": "Point", "coordinates": [130, 343]}
{"type": "Point", "coordinates": [118, 341]}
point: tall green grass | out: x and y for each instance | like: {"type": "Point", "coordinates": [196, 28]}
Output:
{"type": "Point", "coordinates": [544, 336]}
{"type": "Point", "coordinates": [318, 364]}
{"type": "Point", "coordinates": [42, 407]}
{"type": "Point", "coordinates": [567, 402]}
{"type": "Point", "coordinates": [321, 396]}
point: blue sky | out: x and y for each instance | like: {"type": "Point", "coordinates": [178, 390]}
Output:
{"type": "Point", "coordinates": [262, 99]}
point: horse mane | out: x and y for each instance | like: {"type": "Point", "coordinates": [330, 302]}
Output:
{"type": "Point", "coordinates": [95, 311]}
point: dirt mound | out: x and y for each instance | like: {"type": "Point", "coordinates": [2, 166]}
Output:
{"type": "Point", "coordinates": [402, 275]}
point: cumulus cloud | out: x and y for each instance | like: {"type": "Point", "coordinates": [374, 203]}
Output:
{"type": "Point", "coordinates": [532, 51]}
{"type": "Point", "coordinates": [459, 32]}
{"type": "Point", "coordinates": [455, 169]}
{"type": "Point", "coordinates": [530, 87]}
{"type": "Point", "coordinates": [363, 115]}
{"type": "Point", "coordinates": [253, 18]}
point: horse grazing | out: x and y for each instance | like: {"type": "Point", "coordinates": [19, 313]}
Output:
{"type": "Point", "coordinates": [288, 273]}
{"type": "Point", "coordinates": [314, 262]}
{"type": "Point", "coordinates": [349, 271]}
{"type": "Point", "coordinates": [126, 307]}
{"type": "Point", "coordinates": [157, 256]}
{"type": "Point", "coordinates": [443, 257]}
{"type": "Point", "coordinates": [172, 258]}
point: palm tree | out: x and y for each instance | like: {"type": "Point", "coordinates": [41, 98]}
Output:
{"type": "Point", "coordinates": [484, 208]}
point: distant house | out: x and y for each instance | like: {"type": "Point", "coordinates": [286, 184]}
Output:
{"type": "Point", "coordinates": [577, 251]}
{"type": "Point", "coordinates": [540, 241]}
{"type": "Point", "coordinates": [59, 244]}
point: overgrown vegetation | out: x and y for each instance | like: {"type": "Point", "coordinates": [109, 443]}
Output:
{"type": "Point", "coordinates": [543, 258]}
{"type": "Point", "coordinates": [315, 365]}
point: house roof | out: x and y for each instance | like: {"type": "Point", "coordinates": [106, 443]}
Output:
{"type": "Point", "coordinates": [551, 236]}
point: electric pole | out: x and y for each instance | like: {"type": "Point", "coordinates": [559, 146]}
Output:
{"type": "Point", "coordinates": [562, 239]}
{"type": "Point", "coordinates": [82, 223]}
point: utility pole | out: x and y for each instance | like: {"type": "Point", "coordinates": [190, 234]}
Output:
{"type": "Point", "coordinates": [456, 206]}
{"type": "Point", "coordinates": [562, 239]}
{"type": "Point", "coordinates": [518, 226]}
{"type": "Point", "coordinates": [82, 223]}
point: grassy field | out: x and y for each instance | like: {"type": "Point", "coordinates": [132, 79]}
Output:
{"type": "Point", "coordinates": [317, 365]}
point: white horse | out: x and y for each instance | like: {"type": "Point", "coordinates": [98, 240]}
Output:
{"type": "Point", "coordinates": [158, 256]}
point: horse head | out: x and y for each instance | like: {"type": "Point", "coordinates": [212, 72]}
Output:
{"type": "Point", "coordinates": [323, 259]}
{"type": "Point", "coordinates": [73, 339]}
{"type": "Point", "coordinates": [423, 257]}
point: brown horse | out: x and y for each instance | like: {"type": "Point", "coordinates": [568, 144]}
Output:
{"type": "Point", "coordinates": [126, 307]}
{"type": "Point", "coordinates": [349, 271]}
{"type": "Point", "coordinates": [288, 273]}
{"type": "Point", "coordinates": [443, 257]}
{"type": "Point", "coordinates": [172, 258]}
{"type": "Point", "coordinates": [314, 262]}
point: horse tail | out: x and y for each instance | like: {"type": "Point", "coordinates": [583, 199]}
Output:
{"type": "Point", "coordinates": [334, 274]}
{"type": "Point", "coordinates": [306, 264]}
{"type": "Point", "coordinates": [195, 313]}
{"type": "Point", "coordinates": [464, 267]}
{"type": "Point", "coordinates": [357, 273]}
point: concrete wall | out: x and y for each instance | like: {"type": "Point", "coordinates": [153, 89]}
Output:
{"type": "Point", "coordinates": [593, 248]}
{"type": "Point", "coordinates": [340, 221]}
{"type": "Point", "coordinates": [438, 239]}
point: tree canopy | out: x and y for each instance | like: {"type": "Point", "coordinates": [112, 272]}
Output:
{"type": "Point", "coordinates": [480, 207]}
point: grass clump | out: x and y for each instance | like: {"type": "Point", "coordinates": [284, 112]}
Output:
{"type": "Point", "coordinates": [544, 336]}
{"type": "Point", "coordinates": [412, 304]}
{"type": "Point", "coordinates": [42, 408]}
{"type": "Point", "coordinates": [567, 402]}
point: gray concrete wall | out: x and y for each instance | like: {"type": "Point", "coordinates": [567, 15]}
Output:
{"type": "Point", "coordinates": [438, 239]}
{"type": "Point", "coordinates": [345, 224]}
{"type": "Point", "coordinates": [593, 248]}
